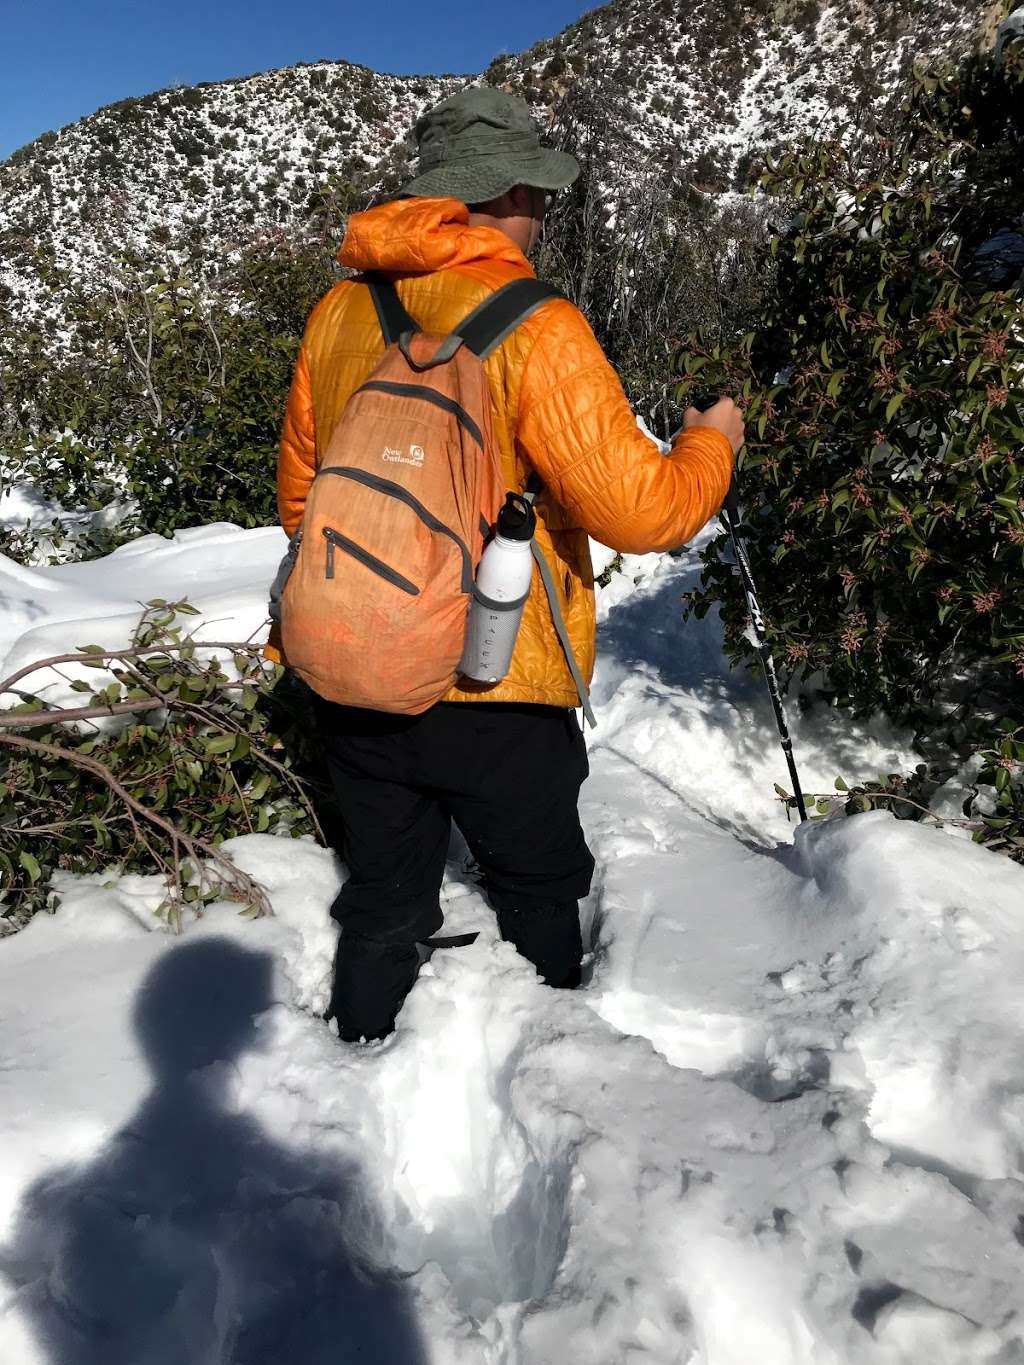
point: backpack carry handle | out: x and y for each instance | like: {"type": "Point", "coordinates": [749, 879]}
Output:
{"type": "Point", "coordinates": [441, 356]}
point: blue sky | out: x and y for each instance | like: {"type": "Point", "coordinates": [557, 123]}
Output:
{"type": "Point", "coordinates": [60, 59]}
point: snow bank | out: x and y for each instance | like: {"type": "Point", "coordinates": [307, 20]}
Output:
{"type": "Point", "coordinates": [944, 1083]}
{"type": "Point", "coordinates": [222, 570]}
{"type": "Point", "coordinates": [782, 1122]}
{"type": "Point", "coordinates": [665, 697]}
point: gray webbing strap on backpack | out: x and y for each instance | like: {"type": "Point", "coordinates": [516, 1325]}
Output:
{"type": "Point", "coordinates": [562, 631]}
{"type": "Point", "coordinates": [391, 314]}
{"type": "Point", "coordinates": [482, 332]}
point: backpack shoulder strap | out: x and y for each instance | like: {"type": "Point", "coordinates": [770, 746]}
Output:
{"type": "Point", "coordinates": [501, 313]}
{"type": "Point", "coordinates": [483, 330]}
{"type": "Point", "coordinates": [391, 314]}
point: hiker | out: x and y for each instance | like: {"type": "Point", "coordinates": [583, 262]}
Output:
{"type": "Point", "coordinates": [505, 762]}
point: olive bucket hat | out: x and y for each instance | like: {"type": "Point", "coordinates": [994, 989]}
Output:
{"type": "Point", "coordinates": [479, 143]}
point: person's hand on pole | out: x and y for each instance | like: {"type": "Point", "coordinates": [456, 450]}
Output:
{"type": "Point", "coordinates": [724, 416]}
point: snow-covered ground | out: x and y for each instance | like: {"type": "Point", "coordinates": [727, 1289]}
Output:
{"type": "Point", "coordinates": [782, 1123]}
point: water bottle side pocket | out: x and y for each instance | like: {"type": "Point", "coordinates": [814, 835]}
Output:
{"type": "Point", "coordinates": [284, 572]}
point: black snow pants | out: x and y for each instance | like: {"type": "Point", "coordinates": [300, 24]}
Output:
{"type": "Point", "coordinates": [509, 776]}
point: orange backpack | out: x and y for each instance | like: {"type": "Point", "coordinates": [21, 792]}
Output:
{"type": "Point", "coordinates": [379, 576]}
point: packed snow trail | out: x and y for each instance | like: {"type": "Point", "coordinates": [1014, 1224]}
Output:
{"type": "Point", "coordinates": [782, 1122]}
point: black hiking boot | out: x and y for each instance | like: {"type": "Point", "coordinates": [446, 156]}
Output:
{"type": "Point", "coordinates": [371, 980]}
{"type": "Point", "coordinates": [549, 937]}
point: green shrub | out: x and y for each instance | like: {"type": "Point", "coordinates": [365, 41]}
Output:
{"type": "Point", "coordinates": [883, 479]}
{"type": "Point", "coordinates": [369, 109]}
{"type": "Point", "coordinates": [1002, 777]}
{"type": "Point", "coordinates": [176, 392]}
{"type": "Point", "coordinates": [992, 806]}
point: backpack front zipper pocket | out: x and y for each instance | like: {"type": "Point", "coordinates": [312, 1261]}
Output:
{"type": "Point", "coordinates": [335, 540]}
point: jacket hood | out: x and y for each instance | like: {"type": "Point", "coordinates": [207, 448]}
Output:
{"type": "Point", "coordinates": [418, 236]}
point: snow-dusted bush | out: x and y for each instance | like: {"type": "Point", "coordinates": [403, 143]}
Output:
{"type": "Point", "coordinates": [647, 257]}
{"type": "Point", "coordinates": [174, 391]}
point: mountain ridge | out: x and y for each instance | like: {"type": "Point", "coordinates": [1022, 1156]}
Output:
{"type": "Point", "coordinates": [708, 87]}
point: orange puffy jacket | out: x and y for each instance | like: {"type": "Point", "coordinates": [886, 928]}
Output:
{"type": "Point", "coordinates": [559, 409]}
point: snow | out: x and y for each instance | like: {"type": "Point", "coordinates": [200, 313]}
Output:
{"type": "Point", "coordinates": [781, 1123]}
{"type": "Point", "coordinates": [45, 611]}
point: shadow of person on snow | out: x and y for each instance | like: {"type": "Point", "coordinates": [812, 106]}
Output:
{"type": "Point", "coordinates": [194, 1239]}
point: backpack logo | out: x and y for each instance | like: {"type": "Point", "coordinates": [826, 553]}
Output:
{"type": "Point", "coordinates": [415, 457]}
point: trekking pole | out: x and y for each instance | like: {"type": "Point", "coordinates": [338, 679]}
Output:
{"type": "Point", "coordinates": [731, 518]}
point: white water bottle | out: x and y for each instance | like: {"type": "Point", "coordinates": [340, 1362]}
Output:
{"type": "Point", "coordinates": [502, 586]}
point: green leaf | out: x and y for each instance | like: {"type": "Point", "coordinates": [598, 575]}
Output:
{"type": "Point", "coordinates": [31, 866]}
{"type": "Point", "coordinates": [219, 744]}
{"type": "Point", "coordinates": [893, 406]}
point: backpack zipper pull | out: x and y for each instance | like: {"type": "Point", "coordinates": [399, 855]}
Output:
{"type": "Point", "coordinates": [330, 553]}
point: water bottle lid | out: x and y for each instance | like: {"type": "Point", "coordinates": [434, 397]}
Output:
{"type": "Point", "coordinates": [517, 520]}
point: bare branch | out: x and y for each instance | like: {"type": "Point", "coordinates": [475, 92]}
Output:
{"type": "Point", "coordinates": [135, 652]}
{"type": "Point", "coordinates": [32, 720]}
{"type": "Point", "coordinates": [194, 847]}
{"type": "Point", "coordinates": [144, 364]}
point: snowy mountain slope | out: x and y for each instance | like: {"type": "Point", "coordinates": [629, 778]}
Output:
{"type": "Point", "coordinates": [701, 85]}
{"type": "Point", "coordinates": [710, 82]}
{"type": "Point", "coordinates": [781, 1123]}
{"type": "Point", "coordinates": [216, 162]}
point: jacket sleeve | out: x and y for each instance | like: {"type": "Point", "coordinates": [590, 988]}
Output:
{"type": "Point", "coordinates": [577, 429]}
{"type": "Point", "coordinates": [296, 464]}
